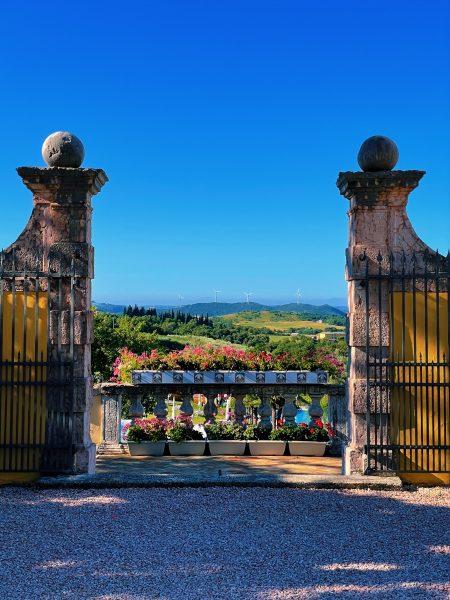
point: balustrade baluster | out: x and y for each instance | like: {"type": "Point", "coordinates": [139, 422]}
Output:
{"type": "Point", "coordinates": [210, 410]}
{"type": "Point", "coordinates": [315, 410]}
{"type": "Point", "coordinates": [136, 410]}
{"type": "Point", "coordinates": [264, 413]}
{"type": "Point", "coordinates": [186, 408]}
{"type": "Point", "coordinates": [289, 410]}
{"type": "Point", "coordinates": [239, 409]}
{"type": "Point", "coordinates": [161, 408]}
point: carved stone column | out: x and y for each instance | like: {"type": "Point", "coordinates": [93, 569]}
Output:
{"type": "Point", "coordinates": [378, 227]}
{"type": "Point", "coordinates": [112, 410]}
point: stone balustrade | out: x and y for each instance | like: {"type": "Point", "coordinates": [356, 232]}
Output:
{"type": "Point", "coordinates": [113, 394]}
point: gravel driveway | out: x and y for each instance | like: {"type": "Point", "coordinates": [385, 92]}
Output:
{"type": "Point", "coordinates": [224, 543]}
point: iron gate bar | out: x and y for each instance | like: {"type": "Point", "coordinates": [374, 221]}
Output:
{"type": "Point", "coordinates": [33, 439]}
{"type": "Point", "coordinates": [403, 397]}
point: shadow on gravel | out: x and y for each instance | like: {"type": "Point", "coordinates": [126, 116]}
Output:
{"type": "Point", "coordinates": [233, 543]}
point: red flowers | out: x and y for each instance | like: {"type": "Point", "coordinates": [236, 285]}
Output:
{"type": "Point", "coordinates": [210, 358]}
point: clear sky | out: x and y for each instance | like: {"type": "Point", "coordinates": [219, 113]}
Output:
{"type": "Point", "coordinates": [222, 126]}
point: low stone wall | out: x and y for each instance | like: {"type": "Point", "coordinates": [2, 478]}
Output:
{"type": "Point", "coordinates": [113, 393]}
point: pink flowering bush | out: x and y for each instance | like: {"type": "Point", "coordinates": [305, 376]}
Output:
{"type": "Point", "coordinates": [209, 358]}
{"type": "Point", "coordinates": [181, 429]}
{"type": "Point", "coordinates": [145, 430]}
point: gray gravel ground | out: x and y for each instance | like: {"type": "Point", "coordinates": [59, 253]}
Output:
{"type": "Point", "coordinates": [224, 543]}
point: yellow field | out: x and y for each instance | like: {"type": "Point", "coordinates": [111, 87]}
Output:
{"type": "Point", "coordinates": [274, 322]}
{"type": "Point", "coordinates": [200, 340]}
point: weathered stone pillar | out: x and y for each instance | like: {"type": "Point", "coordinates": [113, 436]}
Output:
{"type": "Point", "coordinates": [57, 239]}
{"type": "Point", "coordinates": [378, 227]}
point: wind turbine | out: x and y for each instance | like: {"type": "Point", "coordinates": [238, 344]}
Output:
{"type": "Point", "coordinates": [298, 294]}
{"type": "Point", "coordinates": [216, 293]}
{"type": "Point", "coordinates": [247, 295]}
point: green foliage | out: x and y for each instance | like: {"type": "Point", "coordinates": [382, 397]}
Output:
{"type": "Point", "coordinates": [148, 402]}
{"type": "Point", "coordinates": [256, 432]}
{"type": "Point", "coordinates": [224, 430]}
{"type": "Point", "coordinates": [251, 401]}
{"type": "Point", "coordinates": [281, 434]}
{"type": "Point", "coordinates": [181, 429]}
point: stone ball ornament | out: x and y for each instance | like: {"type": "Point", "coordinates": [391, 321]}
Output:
{"type": "Point", "coordinates": [378, 153]}
{"type": "Point", "coordinates": [63, 149]}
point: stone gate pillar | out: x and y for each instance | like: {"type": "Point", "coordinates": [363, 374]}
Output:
{"type": "Point", "coordinates": [378, 228]}
{"type": "Point", "coordinates": [57, 239]}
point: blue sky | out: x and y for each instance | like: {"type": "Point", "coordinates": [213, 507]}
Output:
{"type": "Point", "coordinates": [222, 127]}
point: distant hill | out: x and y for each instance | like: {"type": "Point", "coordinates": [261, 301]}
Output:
{"type": "Point", "coordinates": [218, 309]}
{"type": "Point", "coordinates": [116, 309]}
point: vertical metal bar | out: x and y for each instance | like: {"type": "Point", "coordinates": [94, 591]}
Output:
{"type": "Point", "coordinates": [391, 374]}
{"type": "Point", "coordinates": [427, 404]}
{"type": "Point", "coordinates": [437, 392]}
{"type": "Point", "coordinates": [416, 389]}
{"type": "Point", "coordinates": [422, 436]}
{"type": "Point", "coordinates": [72, 308]}
{"type": "Point", "coordinates": [433, 441]}
{"type": "Point", "coordinates": [34, 378]}
{"type": "Point", "coordinates": [12, 454]}
{"type": "Point", "coordinates": [446, 400]}
{"type": "Point", "coordinates": [24, 373]}
{"type": "Point", "coordinates": [368, 366]}
{"type": "Point", "coordinates": [379, 390]}
{"type": "Point", "coordinates": [403, 358]}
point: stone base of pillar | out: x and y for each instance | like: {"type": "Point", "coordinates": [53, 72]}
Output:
{"type": "Point", "coordinates": [355, 461]}
{"type": "Point", "coordinates": [84, 459]}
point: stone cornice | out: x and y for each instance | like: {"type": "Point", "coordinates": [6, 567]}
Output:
{"type": "Point", "coordinates": [61, 179]}
{"type": "Point", "coordinates": [365, 189]}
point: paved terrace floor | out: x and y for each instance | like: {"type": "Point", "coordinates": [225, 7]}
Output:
{"type": "Point", "coordinates": [272, 471]}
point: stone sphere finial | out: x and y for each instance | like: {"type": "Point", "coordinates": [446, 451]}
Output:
{"type": "Point", "coordinates": [63, 149]}
{"type": "Point", "coordinates": [378, 153]}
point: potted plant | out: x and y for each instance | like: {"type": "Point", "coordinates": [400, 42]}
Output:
{"type": "Point", "coordinates": [146, 437]}
{"type": "Point", "coordinates": [225, 438]}
{"type": "Point", "coordinates": [309, 440]}
{"type": "Point", "coordinates": [260, 442]}
{"type": "Point", "coordinates": [184, 440]}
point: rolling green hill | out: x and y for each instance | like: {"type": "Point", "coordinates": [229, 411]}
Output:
{"type": "Point", "coordinates": [276, 321]}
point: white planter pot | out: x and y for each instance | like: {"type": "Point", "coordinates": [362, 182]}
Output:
{"type": "Point", "coordinates": [227, 447]}
{"type": "Point", "coordinates": [307, 448]}
{"type": "Point", "coordinates": [188, 448]}
{"type": "Point", "coordinates": [266, 448]}
{"type": "Point", "coordinates": [146, 448]}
